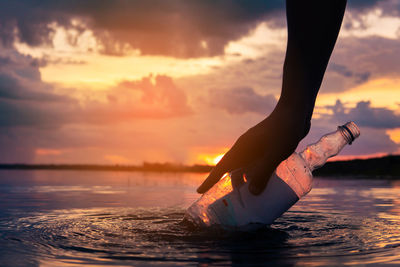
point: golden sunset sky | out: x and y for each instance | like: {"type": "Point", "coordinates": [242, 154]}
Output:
{"type": "Point", "coordinates": [122, 82]}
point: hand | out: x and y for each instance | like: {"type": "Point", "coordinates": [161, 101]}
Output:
{"type": "Point", "coordinates": [260, 150]}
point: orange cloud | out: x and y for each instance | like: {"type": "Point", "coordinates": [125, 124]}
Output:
{"type": "Point", "coordinates": [149, 98]}
{"type": "Point", "coordinates": [160, 97]}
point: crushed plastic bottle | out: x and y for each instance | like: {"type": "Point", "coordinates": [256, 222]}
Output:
{"type": "Point", "coordinates": [230, 204]}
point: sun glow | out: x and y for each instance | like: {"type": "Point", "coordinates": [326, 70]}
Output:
{"type": "Point", "coordinates": [210, 159]}
{"type": "Point", "coordinates": [217, 159]}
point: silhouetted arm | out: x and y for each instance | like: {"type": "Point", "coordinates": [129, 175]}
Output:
{"type": "Point", "coordinates": [313, 27]}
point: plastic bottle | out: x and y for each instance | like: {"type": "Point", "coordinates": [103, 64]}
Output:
{"type": "Point", "coordinates": [230, 204]}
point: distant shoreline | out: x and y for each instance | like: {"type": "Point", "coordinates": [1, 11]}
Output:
{"type": "Point", "coordinates": [388, 167]}
{"type": "Point", "coordinates": [146, 167]}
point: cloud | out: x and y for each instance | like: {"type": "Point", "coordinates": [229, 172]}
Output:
{"type": "Point", "coordinates": [176, 28]}
{"type": "Point", "coordinates": [359, 60]}
{"type": "Point", "coordinates": [346, 72]}
{"type": "Point", "coordinates": [361, 4]}
{"type": "Point", "coordinates": [24, 99]}
{"type": "Point", "coordinates": [20, 78]}
{"type": "Point", "coordinates": [354, 61]}
{"type": "Point", "coordinates": [149, 98]}
{"type": "Point", "coordinates": [375, 55]}
{"type": "Point", "coordinates": [162, 93]}
{"type": "Point", "coordinates": [371, 141]}
{"type": "Point", "coordinates": [148, 119]}
{"type": "Point", "coordinates": [242, 100]}
{"type": "Point", "coordinates": [372, 121]}
{"type": "Point", "coordinates": [359, 9]}
{"type": "Point", "coordinates": [37, 115]}
{"type": "Point", "coordinates": [365, 115]}
{"type": "Point", "coordinates": [46, 60]}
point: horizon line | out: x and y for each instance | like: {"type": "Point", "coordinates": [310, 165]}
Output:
{"type": "Point", "coordinates": [177, 164]}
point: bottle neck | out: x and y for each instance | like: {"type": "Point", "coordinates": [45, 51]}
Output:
{"type": "Point", "coordinates": [316, 155]}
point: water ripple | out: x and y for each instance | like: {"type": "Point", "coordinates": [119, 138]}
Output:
{"type": "Point", "coordinates": [126, 236]}
{"type": "Point", "coordinates": [76, 218]}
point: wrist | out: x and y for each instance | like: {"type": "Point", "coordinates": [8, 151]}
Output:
{"type": "Point", "coordinates": [292, 119]}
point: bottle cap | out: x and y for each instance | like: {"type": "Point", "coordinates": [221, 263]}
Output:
{"type": "Point", "coordinates": [350, 131]}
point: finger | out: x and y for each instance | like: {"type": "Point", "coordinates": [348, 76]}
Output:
{"type": "Point", "coordinates": [214, 176]}
{"type": "Point", "coordinates": [223, 166]}
{"type": "Point", "coordinates": [237, 178]}
{"type": "Point", "coordinates": [259, 175]}
{"type": "Point", "coordinates": [239, 155]}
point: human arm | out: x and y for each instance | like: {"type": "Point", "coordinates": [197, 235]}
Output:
{"type": "Point", "coordinates": [313, 27]}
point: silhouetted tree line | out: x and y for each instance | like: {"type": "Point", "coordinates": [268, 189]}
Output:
{"type": "Point", "coordinates": [156, 167]}
{"type": "Point", "coordinates": [388, 167]}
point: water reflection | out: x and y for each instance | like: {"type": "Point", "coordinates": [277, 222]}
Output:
{"type": "Point", "coordinates": [127, 236]}
{"type": "Point", "coordinates": [33, 190]}
{"type": "Point", "coordinates": [104, 218]}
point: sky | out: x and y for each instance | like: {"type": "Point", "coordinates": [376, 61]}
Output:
{"type": "Point", "coordinates": [126, 82]}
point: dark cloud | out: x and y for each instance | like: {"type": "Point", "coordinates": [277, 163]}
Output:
{"type": "Point", "coordinates": [33, 114]}
{"type": "Point", "coordinates": [14, 87]}
{"type": "Point", "coordinates": [373, 123]}
{"type": "Point", "coordinates": [355, 61]}
{"type": "Point", "coordinates": [376, 55]}
{"type": "Point", "coordinates": [358, 60]}
{"type": "Point", "coordinates": [346, 72]}
{"type": "Point", "coordinates": [242, 100]}
{"type": "Point", "coordinates": [372, 141]}
{"type": "Point", "coordinates": [177, 28]}
{"type": "Point", "coordinates": [360, 4]}
{"type": "Point", "coordinates": [263, 75]}
{"type": "Point", "coordinates": [24, 99]}
{"type": "Point", "coordinates": [356, 10]}
{"type": "Point", "coordinates": [359, 7]}
{"type": "Point", "coordinates": [365, 115]}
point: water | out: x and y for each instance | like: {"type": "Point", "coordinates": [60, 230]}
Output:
{"type": "Point", "coordinates": [70, 218]}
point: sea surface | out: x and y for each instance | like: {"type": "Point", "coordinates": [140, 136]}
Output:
{"type": "Point", "coordinates": [76, 218]}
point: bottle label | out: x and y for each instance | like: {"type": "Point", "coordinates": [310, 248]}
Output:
{"type": "Point", "coordinates": [222, 209]}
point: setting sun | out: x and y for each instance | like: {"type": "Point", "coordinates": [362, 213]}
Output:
{"type": "Point", "coordinates": [210, 159]}
{"type": "Point", "coordinates": [217, 159]}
